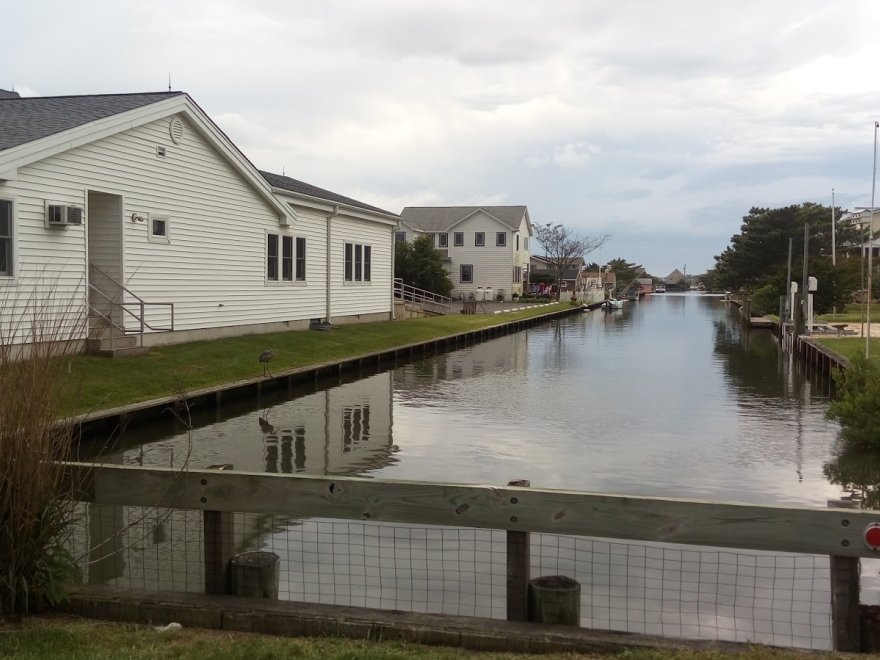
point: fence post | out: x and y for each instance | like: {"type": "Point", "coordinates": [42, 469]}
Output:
{"type": "Point", "coordinates": [218, 545]}
{"type": "Point", "coordinates": [518, 569]}
{"type": "Point", "coordinates": [845, 625]}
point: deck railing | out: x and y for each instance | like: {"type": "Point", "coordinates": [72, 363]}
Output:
{"type": "Point", "coordinates": [837, 533]}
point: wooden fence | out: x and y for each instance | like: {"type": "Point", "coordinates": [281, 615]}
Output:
{"type": "Point", "coordinates": [841, 534]}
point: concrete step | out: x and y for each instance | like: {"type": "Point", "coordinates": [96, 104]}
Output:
{"type": "Point", "coordinates": [102, 343]}
{"type": "Point", "coordinates": [120, 352]}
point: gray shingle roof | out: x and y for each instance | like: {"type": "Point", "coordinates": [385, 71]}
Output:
{"type": "Point", "coordinates": [442, 218]}
{"type": "Point", "coordinates": [24, 120]}
{"type": "Point", "coordinates": [286, 183]}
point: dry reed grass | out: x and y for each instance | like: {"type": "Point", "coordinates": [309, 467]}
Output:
{"type": "Point", "coordinates": [34, 512]}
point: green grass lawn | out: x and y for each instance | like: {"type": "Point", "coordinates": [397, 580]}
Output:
{"type": "Point", "coordinates": [70, 638]}
{"type": "Point", "coordinates": [97, 383]}
{"type": "Point", "coordinates": [853, 313]}
{"type": "Point", "coordinates": [851, 347]}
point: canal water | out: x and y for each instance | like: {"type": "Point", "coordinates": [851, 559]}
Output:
{"type": "Point", "coordinates": [666, 397]}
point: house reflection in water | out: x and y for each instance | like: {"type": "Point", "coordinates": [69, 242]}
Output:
{"type": "Point", "coordinates": [341, 430]}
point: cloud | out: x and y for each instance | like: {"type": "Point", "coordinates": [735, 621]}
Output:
{"type": "Point", "coordinates": [666, 120]}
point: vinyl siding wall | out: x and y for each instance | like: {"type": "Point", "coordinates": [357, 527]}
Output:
{"type": "Point", "coordinates": [351, 300]}
{"type": "Point", "coordinates": [493, 265]}
{"type": "Point", "coordinates": [213, 267]}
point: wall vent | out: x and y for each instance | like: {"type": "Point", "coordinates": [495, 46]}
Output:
{"type": "Point", "coordinates": [160, 151]}
{"type": "Point", "coordinates": [176, 130]}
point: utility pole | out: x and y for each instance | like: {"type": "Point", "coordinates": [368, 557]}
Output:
{"type": "Point", "coordinates": [871, 245]}
{"type": "Point", "coordinates": [833, 232]}
{"type": "Point", "coordinates": [802, 320]}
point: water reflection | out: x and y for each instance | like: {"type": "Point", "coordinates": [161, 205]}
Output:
{"type": "Point", "coordinates": [341, 430]}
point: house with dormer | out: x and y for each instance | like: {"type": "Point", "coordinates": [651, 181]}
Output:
{"type": "Point", "coordinates": [135, 215]}
{"type": "Point", "coordinates": [484, 248]}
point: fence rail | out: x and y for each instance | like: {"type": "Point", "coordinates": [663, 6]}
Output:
{"type": "Point", "coordinates": [838, 533]}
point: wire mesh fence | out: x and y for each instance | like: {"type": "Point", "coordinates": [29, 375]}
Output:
{"type": "Point", "coordinates": [674, 591]}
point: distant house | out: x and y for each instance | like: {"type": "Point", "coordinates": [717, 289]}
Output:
{"type": "Point", "coordinates": [483, 247]}
{"type": "Point", "coordinates": [542, 266]}
{"type": "Point", "coordinates": [675, 280]}
{"type": "Point", "coordinates": [127, 203]}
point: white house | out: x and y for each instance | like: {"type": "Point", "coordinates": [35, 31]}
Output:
{"type": "Point", "coordinates": [113, 204]}
{"type": "Point", "coordinates": [484, 247]}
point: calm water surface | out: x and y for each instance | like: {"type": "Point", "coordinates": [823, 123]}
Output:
{"type": "Point", "coordinates": [667, 397]}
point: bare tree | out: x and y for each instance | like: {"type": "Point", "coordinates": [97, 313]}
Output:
{"type": "Point", "coordinates": [564, 248]}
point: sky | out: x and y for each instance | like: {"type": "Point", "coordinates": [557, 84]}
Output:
{"type": "Point", "coordinates": [657, 123]}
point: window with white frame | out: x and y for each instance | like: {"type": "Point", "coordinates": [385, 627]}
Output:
{"type": "Point", "coordinates": [500, 238]}
{"type": "Point", "coordinates": [300, 259]}
{"type": "Point", "coordinates": [5, 238]}
{"type": "Point", "coordinates": [287, 258]}
{"type": "Point", "coordinates": [358, 262]}
{"type": "Point", "coordinates": [479, 238]}
{"type": "Point", "coordinates": [443, 240]}
{"type": "Point", "coordinates": [400, 236]}
{"type": "Point", "coordinates": [517, 274]}
{"type": "Point", "coordinates": [517, 242]}
{"type": "Point", "coordinates": [272, 241]}
{"type": "Point", "coordinates": [159, 229]}
{"type": "Point", "coordinates": [283, 263]}
{"type": "Point", "coordinates": [458, 238]}
{"type": "Point", "coordinates": [466, 273]}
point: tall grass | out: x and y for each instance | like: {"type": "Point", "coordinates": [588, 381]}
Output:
{"type": "Point", "coordinates": [34, 512]}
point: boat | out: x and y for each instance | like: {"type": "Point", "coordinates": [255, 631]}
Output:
{"type": "Point", "coordinates": [660, 289]}
{"type": "Point", "coordinates": [613, 303]}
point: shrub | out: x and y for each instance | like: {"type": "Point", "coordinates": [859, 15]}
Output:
{"type": "Point", "coordinates": [765, 300]}
{"type": "Point", "coordinates": [857, 404]}
{"type": "Point", "coordinates": [35, 566]}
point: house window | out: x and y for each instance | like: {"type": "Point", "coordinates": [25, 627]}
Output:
{"type": "Point", "coordinates": [279, 258]}
{"type": "Point", "coordinates": [272, 257]}
{"type": "Point", "coordinates": [517, 274]}
{"type": "Point", "coordinates": [5, 237]}
{"type": "Point", "coordinates": [433, 238]}
{"type": "Point", "coordinates": [479, 238]}
{"type": "Point", "coordinates": [526, 243]}
{"type": "Point", "coordinates": [287, 258]}
{"type": "Point", "coordinates": [159, 229]}
{"type": "Point", "coordinates": [300, 259]}
{"type": "Point", "coordinates": [358, 262]}
{"type": "Point", "coordinates": [443, 240]}
{"type": "Point", "coordinates": [400, 236]}
{"type": "Point", "coordinates": [466, 273]}
{"type": "Point", "coordinates": [500, 238]}
{"type": "Point", "coordinates": [458, 238]}
{"type": "Point", "coordinates": [368, 263]}
{"type": "Point", "coordinates": [517, 242]}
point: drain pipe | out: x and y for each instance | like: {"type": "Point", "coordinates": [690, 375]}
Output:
{"type": "Point", "coordinates": [328, 287]}
{"type": "Point", "coordinates": [393, 253]}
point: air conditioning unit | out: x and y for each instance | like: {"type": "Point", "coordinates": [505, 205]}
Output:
{"type": "Point", "coordinates": [61, 215]}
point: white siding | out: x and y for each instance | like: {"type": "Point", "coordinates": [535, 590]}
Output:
{"type": "Point", "coordinates": [49, 267]}
{"type": "Point", "coordinates": [353, 299]}
{"type": "Point", "coordinates": [213, 267]}
{"type": "Point", "coordinates": [493, 265]}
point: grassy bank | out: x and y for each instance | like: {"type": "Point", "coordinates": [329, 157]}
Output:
{"type": "Point", "coordinates": [850, 347]}
{"type": "Point", "coordinates": [99, 383]}
{"type": "Point", "coordinates": [70, 638]}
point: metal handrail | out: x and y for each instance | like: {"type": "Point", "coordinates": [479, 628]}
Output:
{"type": "Point", "coordinates": [123, 306]}
{"type": "Point", "coordinates": [428, 299]}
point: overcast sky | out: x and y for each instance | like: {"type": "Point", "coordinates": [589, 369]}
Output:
{"type": "Point", "coordinates": [657, 122]}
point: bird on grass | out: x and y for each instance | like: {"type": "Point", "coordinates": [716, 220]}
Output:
{"type": "Point", "coordinates": [265, 357]}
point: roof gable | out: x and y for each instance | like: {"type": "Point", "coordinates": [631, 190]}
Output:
{"type": "Point", "coordinates": [443, 218]}
{"type": "Point", "coordinates": [92, 118]}
{"type": "Point", "coordinates": [32, 118]}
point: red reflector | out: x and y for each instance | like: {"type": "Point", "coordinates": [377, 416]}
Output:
{"type": "Point", "coordinates": [872, 536]}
